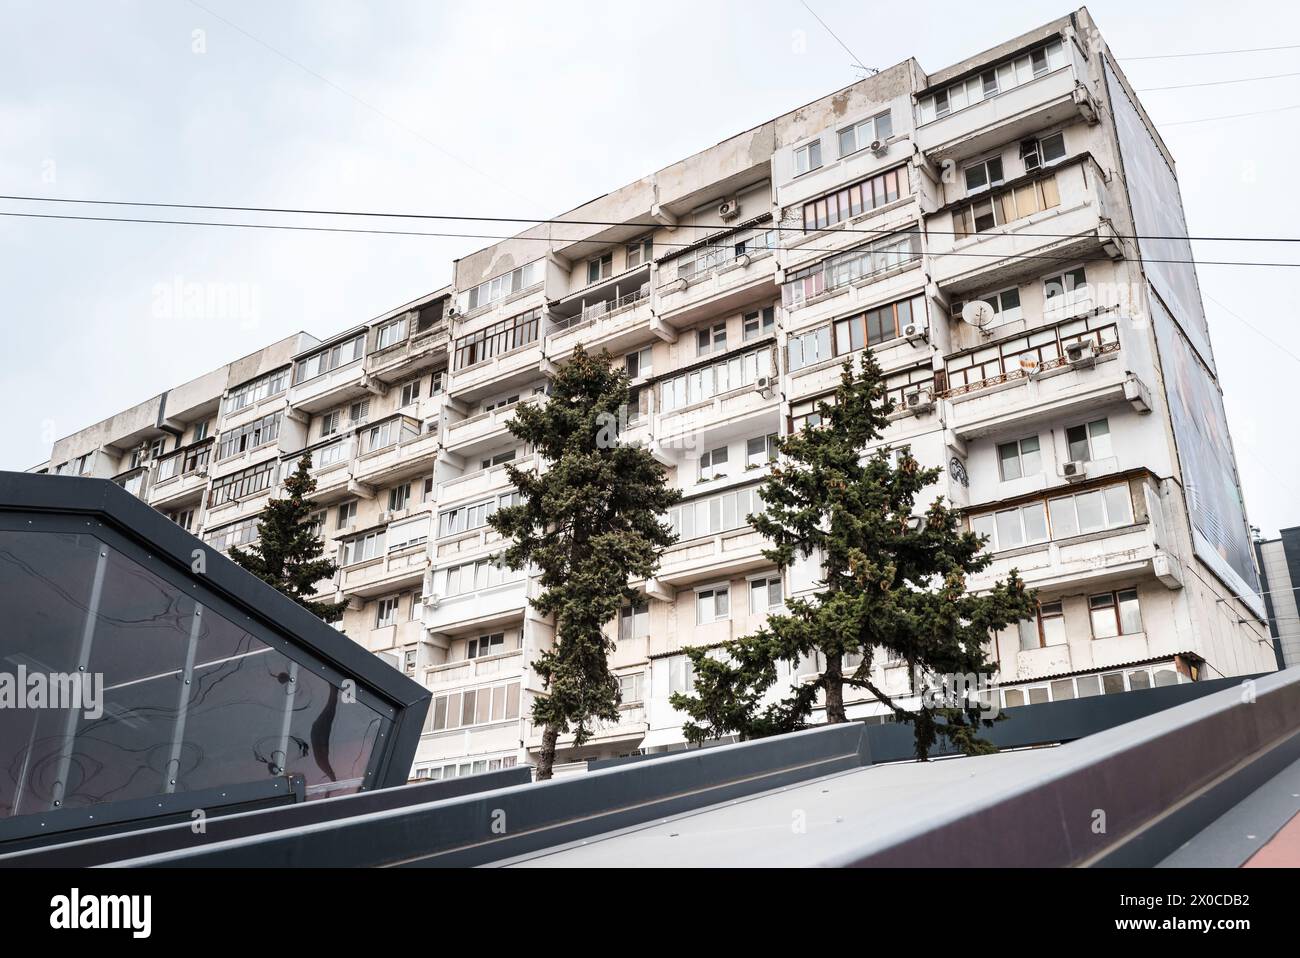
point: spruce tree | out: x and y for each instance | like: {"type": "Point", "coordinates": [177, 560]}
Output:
{"type": "Point", "coordinates": [889, 583]}
{"type": "Point", "coordinates": [288, 553]}
{"type": "Point", "coordinates": [588, 520]}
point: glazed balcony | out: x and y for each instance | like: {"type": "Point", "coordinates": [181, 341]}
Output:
{"type": "Point", "coordinates": [448, 675]}
{"type": "Point", "coordinates": [479, 609]}
{"type": "Point", "coordinates": [414, 355]}
{"type": "Point", "coordinates": [482, 431]}
{"type": "Point", "coordinates": [728, 286]}
{"type": "Point", "coordinates": [391, 572]}
{"type": "Point", "coordinates": [1077, 227]}
{"type": "Point", "coordinates": [394, 449]}
{"type": "Point", "coordinates": [617, 320]}
{"type": "Point", "coordinates": [1056, 97]}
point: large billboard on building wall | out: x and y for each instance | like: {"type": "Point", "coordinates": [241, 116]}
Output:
{"type": "Point", "coordinates": [1220, 534]}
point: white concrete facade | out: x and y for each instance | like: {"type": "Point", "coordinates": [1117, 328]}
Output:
{"type": "Point", "coordinates": [733, 283]}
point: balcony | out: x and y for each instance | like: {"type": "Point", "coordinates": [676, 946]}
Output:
{"type": "Point", "coordinates": [1077, 227]}
{"type": "Point", "coordinates": [181, 478]}
{"type": "Point", "coordinates": [401, 568]}
{"type": "Point", "coordinates": [711, 557]}
{"type": "Point", "coordinates": [470, 671]}
{"type": "Point", "coordinates": [400, 451]}
{"type": "Point", "coordinates": [479, 484]}
{"type": "Point", "coordinates": [627, 730]}
{"type": "Point", "coordinates": [415, 355]}
{"type": "Point", "coordinates": [1118, 555]}
{"type": "Point", "coordinates": [728, 286]}
{"type": "Point", "coordinates": [485, 608]}
{"type": "Point", "coordinates": [333, 388]}
{"type": "Point", "coordinates": [987, 398]}
{"type": "Point", "coordinates": [618, 323]}
{"type": "Point", "coordinates": [1054, 98]}
{"type": "Point", "coordinates": [483, 431]}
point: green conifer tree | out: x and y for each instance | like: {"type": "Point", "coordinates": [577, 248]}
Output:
{"type": "Point", "coordinates": [289, 554]}
{"type": "Point", "coordinates": [588, 521]}
{"type": "Point", "coordinates": [889, 584]}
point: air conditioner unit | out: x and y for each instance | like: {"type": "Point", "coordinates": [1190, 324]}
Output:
{"type": "Point", "coordinates": [1074, 470]}
{"type": "Point", "coordinates": [1030, 155]}
{"type": "Point", "coordinates": [729, 209]}
{"type": "Point", "coordinates": [763, 384]}
{"type": "Point", "coordinates": [919, 400]}
{"type": "Point", "coordinates": [1081, 354]}
{"type": "Point", "coordinates": [915, 330]}
{"type": "Point", "coordinates": [879, 147]}
{"type": "Point", "coordinates": [385, 516]}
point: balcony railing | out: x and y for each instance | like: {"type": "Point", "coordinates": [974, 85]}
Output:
{"type": "Point", "coordinates": [589, 314]}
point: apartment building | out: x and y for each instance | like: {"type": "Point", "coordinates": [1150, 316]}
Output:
{"type": "Point", "coordinates": [1279, 566]}
{"type": "Point", "coordinates": [997, 232]}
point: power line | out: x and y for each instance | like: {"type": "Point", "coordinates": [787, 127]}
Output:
{"type": "Point", "coordinates": [857, 61]}
{"type": "Point", "coordinates": [1211, 53]}
{"type": "Point", "coordinates": [1188, 86]}
{"type": "Point", "coordinates": [488, 236]}
{"type": "Point", "coordinates": [716, 227]}
{"type": "Point", "coordinates": [1231, 116]}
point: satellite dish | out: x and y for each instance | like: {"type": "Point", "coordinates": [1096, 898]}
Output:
{"type": "Point", "coordinates": [978, 313]}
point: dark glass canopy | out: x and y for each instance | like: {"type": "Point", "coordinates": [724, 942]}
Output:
{"type": "Point", "coordinates": [193, 674]}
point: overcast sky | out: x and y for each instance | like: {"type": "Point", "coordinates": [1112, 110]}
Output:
{"type": "Point", "coordinates": [518, 109]}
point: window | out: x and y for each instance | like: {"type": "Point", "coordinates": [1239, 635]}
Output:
{"type": "Point", "coordinates": [249, 436]}
{"type": "Point", "coordinates": [506, 284]}
{"type": "Point", "coordinates": [184, 518]}
{"type": "Point", "coordinates": [386, 612]}
{"type": "Point", "coordinates": [399, 497]}
{"type": "Point", "coordinates": [760, 450]}
{"type": "Point", "coordinates": [347, 514]}
{"type": "Point", "coordinates": [1012, 528]}
{"type": "Point", "coordinates": [714, 514]}
{"type": "Point", "coordinates": [711, 339]}
{"type": "Point", "coordinates": [1005, 303]}
{"type": "Point", "coordinates": [681, 675]}
{"type": "Point", "coordinates": [1092, 511]}
{"type": "Point", "coordinates": [807, 157]}
{"type": "Point", "coordinates": [869, 194]}
{"type": "Point", "coordinates": [329, 423]}
{"type": "Point", "coordinates": [201, 430]}
{"type": "Point", "coordinates": [493, 644]}
{"type": "Point", "coordinates": [493, 703]}
{"type": "Point", "coordinates": [759, 323]}
{"type": "Point", "coordinates": [315, 523]}
{"type": "Point", "coordinates": [417, 606]}
{"type": "Point", "coordinates": [465, 518]}
{"type": "Point", "coordinates": [808, 413]}
{"type": "Point", "coordinates": [713, 464]}
{"type": "Point", "coordinates": [862, 134]}
{"type": "Point", "coordinates": [1019, 459]}
{"type": "Point", "coordinates": [359, 412]}
{"type": "Point", "coordinates": [1004, 76]}
{"type": "Point", "coordinates": [1115, 613]}
{"type": "Point", "coordinates": [765, 595]}
{"type": "Point", "coordinates": [634, 621]}
{"type": "Point", "coordinates": [857, 264]}
{"type": "Point", "coordinates": [602, 267]}
{"type": "Point", "coordinates": [255, 390]}
{"type": "Point", "coordinates": [705, 382]}
{"type": "Point", "coordinates": [329, 359]}
{"type": "Point", "coordinates": [629, 688]}
{"type": "Point", "coordinates": [498, 459]}
{"type": "Point", "coordinates": [1066, 291]}
{"type": "Point", "coordinates": [390, 334]}
{"type": "Point", "coordinates": [723, 249]}
{"type": "Point", "coordinates": [242, 484]}
{"type": "Point", "coordinates": [640, 252]}
{"type": "Point", "coordinates": [878, 325]}
{"type": "Point", "coordinates": [1088, 442]}
{"type": "Point", "coordinates": [497, 339]}
{"type": "Point", "coordinates": [476, 576]}
{"type": "Point", "coordinates": [984, 175]}
{"type": "Point", "coordinates": [1042, 152]}
{"type": "Point", "coordinates": [712, 604]}
{"type": "Point", "coordinates": [410, 392]}
{"type": "Point", "coordinates": [805, 349]}
{"type": "Point", "coordinates": [1046, 628]}
{"type": "Point", "coordinates": [408, 661]}
{"type": "Point", "coordinates": [639, 364]}
{"type": "Point", "coordinates": [239, 533]}
{"type": "Point", "coordinates": [1006, 207]}
{"type": "Point", "coordinates": [362, 548]}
